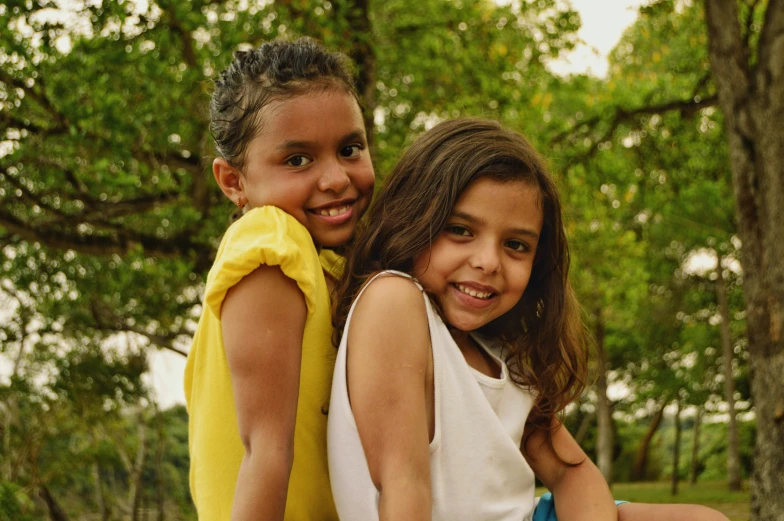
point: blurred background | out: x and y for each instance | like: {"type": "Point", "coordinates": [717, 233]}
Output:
{"type": "Point", "coordinates": [109, 220]}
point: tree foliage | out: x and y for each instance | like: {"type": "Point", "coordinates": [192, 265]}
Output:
{"type": "Point", "coordinates": [109, 217]}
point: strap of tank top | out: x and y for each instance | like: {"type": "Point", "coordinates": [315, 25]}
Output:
{"type": "Point", "coordinates": [374, 277]}
{"type": "Point", "coordinates": [387, 272]}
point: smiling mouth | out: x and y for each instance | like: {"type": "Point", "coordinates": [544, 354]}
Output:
{"type": "Point", "coordinates": [484, 295]}
{"type": "Point", "coordinates": [334, 211]}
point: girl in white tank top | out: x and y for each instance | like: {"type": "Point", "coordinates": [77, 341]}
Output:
{"type": "Point", "coordinates": [461, 343]}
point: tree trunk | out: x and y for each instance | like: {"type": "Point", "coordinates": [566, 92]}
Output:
{"type": "Point", "coordinates": [695, 448]}
{"type": "Point", "coordinates": [159, 481]}
{"type": "Point", "coordinates": [11, 408]}
{"type": "Point", "coordinates": [676, 449]}
{"type": "Point", "coordinates": [585, 424]}
{"type": "Point", "coordinates": [641, 460]}
{"type": "Point", "coordinates": [733, 450]}
{"type": "Point", "coordinates": [135, 492]}
{"type": "Point", "coordinates": [604, 441]}
{"type": "Point", "coordinates": [100, 495]}
{"type": "Point", "coordinates": [751, 96]}
{"type": "Point", "coordinates": [364, 56]}
{"type": "Point", "coordinates": [56, 512]}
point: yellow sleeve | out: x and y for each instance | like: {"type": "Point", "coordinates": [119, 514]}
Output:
{"type": "Point", "coordinates": [269, 236]}
{"type": "Point", "coordinates": [332, 263]}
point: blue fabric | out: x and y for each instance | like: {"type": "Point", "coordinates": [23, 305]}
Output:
{"type": "Point", "coordinates": [545, 509]}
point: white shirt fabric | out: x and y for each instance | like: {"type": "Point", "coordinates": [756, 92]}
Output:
{"type": "Point", "coordinates": [477, 470]}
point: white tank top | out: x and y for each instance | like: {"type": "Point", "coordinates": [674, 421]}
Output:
{"type": "Point", "coordinates": [477, 470]}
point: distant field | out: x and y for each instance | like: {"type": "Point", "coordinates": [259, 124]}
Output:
{"type": "Point", "coordinates": [735, 505]}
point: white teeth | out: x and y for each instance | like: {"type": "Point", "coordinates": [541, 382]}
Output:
{"type": "Point", "coordinates": [473, 293]}
{"type": "Point", "coordinates": [331, 212]}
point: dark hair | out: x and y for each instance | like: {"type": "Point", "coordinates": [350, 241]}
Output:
{"type": "Point", "coordinates": [277, 70]}
{"type": "Point", "coordinates": [543, 335]}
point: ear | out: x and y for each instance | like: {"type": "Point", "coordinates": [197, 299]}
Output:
{"type": "Point", "coordinates": [229, 179]}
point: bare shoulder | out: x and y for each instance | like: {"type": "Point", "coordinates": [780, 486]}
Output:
{"type": "Point", "coordinates": [391, 293]}
{"type": "Point", "coordinates": [391, 310]}
{"type": "Point", "coordinates": [261, 314]}
{"type": "Point", "coordinates": [266, 291]}
{"type": "Point", "coordinates": [271, 279]}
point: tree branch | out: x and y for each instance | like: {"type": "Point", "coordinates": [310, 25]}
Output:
{"type": "Point", "coordinates": [191, 163]}
{"type": "Point", "coordinates": [120, 242]}
{"type": "Point", "coordinates": [106, 320]}
{"type": "Point", "coordinates": [701, 84]}
{"type": "Point", "coordinates": [9, 120]}
{"type": "Point", "coordinates": [28, 196]}
{"type": "Point", "coordinates": [97, 212]}
{"type": "Point", "coordinates": [39, 97]}
{"type": "Point", "coordinates": [161, 341]}
{"type": "Point", "coordinates": [622, 115]}
{"type": "Point", "coordinates": [185, 37]}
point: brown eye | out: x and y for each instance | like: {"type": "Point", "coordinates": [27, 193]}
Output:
{"type": "Point", "coordinates": [351, 151]}
{"type": "Point", "coordinates": [455, 229]}
{"type": "Point", "coordinates": [518, 246]}
{"type": "Point", "coordinates": [298, 160]}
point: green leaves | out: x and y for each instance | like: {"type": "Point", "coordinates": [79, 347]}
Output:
{"type": "Point", "coordinates": [109, 216]}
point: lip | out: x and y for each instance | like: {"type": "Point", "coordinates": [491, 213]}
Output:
{"type": "Point", "coordinates": [334, 220]}
{"type": "Point", "coordinates": [474, 302]}
{"type": "Point", "coordinates": [332, 204]}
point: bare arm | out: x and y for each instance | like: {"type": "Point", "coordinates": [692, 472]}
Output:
{"type": "Point", "coordinates": [388, 366]}
{"type": "Point", "coordinates": [263, 319]}
{"type": "Point", "coordinates": [580, 492]}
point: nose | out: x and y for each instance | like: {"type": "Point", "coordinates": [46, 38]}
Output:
{"type": "Point", "coordinates": [335, 178]}
{"type": "Point", "coordinates": [486, 258]}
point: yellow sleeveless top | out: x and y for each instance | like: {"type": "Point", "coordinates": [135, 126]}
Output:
{"type": "Point", "coordinates": [268, 236]}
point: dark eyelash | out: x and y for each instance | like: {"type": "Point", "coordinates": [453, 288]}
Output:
{"type": "Point", "coordinates": [455, 228]}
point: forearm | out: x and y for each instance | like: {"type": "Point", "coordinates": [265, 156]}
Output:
{"type": "Point", "coordinates": [582, 494]}
{"type": "Point", "coordinates": [407, 499]}
{"type": "Point", "coordinates": [262, 486]}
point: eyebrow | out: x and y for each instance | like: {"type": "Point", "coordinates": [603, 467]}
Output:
{"type": "Point", "coordinates": [475, 220]}
{"type": "Point", "coordinates": [357, 134]}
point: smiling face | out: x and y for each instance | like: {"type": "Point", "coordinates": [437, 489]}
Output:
{"type": "Point", "coordinates": [311, 161]}
{"type": "Point", "coordinates": [480, 264]}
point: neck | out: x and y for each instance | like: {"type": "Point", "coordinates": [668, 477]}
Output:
{"type": "Point", "coordinates": [461, 338]}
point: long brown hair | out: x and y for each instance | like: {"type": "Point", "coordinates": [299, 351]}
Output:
{"type": "Point", "coordinates": [543, 335]}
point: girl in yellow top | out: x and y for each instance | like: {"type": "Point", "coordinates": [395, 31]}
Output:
{"type": "Point", "coordinates": [293, 155]}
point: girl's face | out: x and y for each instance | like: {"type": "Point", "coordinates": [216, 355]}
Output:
{"type": "Point", "coordinates": [311, 161]}
{"type": "Point", "coordinates": [479, 265]}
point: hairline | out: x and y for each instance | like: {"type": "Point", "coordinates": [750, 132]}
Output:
{"type": "Point", "coordinates": [301, 87]}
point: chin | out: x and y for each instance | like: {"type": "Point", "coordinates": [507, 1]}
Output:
{"type": "Point", "coordinates": [332, 241]}
{"type": "Point", "coordinates": [463, 325]}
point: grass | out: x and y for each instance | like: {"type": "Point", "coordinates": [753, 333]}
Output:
{"type": "Point", "coordinates": [734, 505]}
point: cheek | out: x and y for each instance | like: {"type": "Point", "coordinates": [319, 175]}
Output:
{"type": "Point", "coordinates": [422, 262]}
{"type": "Point", "coordinates": [519, 281]}
{"type": "Point", "coordinates": [274, 189]}
{"type": "Point", "coordinates": [365, 180]}
{"type": "Point", "coordinates": [524, 285]}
